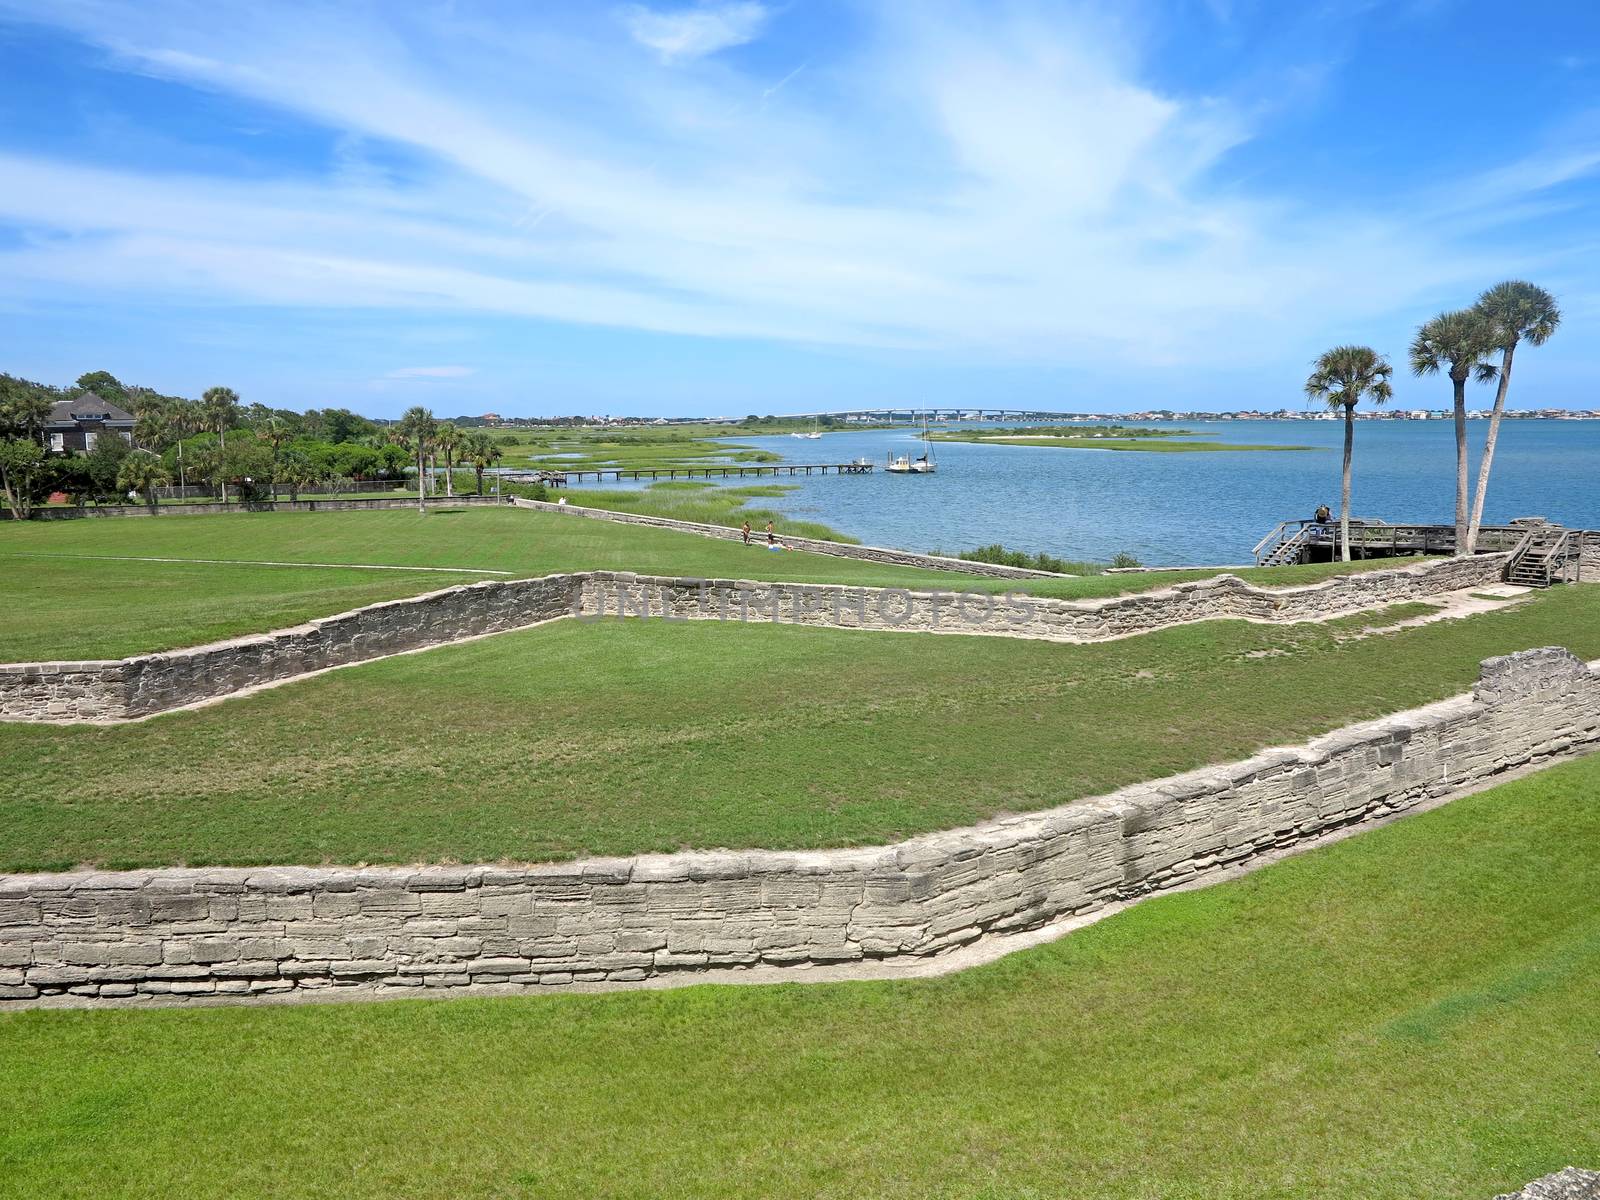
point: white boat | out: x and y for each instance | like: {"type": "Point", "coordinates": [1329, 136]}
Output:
{"type": "Point", "coordinates": [923, 464]}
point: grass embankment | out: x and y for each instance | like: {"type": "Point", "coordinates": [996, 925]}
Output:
{"type": "Point", "coordinates": [1150, 445]}
{"type": "Point", "coordinates": [615, 737]}
{"type": "Point", "coordinates": [1409, 1013]}
{"type": "Point", "coordinates": [708, 503]}
{"type": "Point", "coordinates": [60, 606]}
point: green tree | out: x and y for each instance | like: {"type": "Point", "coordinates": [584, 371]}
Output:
{"type": "Point", "coordinates": [479, 449]}
{"type": "Point", "coordinates": [20, 459]}
{"type": "Point", "coordinates": [142, 471]}
{"type": "Point", "coordinates": [219, 409]}
{"type": "Point", "coordinates": [1458, 344]}
{"type": "Point", "coordinates": [1518, 311]}
{"type": "Point", "coordinates": [24, 407]}
{"type": "Point", "coordinates": [104, 462]}
{"type": "Point", "coordinates": [297, 471]}
{"type": "Point", "coordinates": [1340, 379]}
{"type": "Point", "coordinates": [446, 439]}
{"type": "Point", "coordinates": [416, 430]}
{"type": "Point", "coordinates": [276, 433]}
{"type": "Point", "coordinates": [105, 385]}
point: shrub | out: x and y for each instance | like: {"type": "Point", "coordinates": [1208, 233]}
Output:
{"type": "Point", "coordinates": [1005, 557]}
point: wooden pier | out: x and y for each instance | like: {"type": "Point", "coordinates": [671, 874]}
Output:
{"type": "Point", "coordinates": [1541, 553]}
{"type": "Point", "coordinates": [557, 477]}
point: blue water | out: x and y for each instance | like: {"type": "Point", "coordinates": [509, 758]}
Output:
{"type": "Point", "coordinates": [1183, 508]}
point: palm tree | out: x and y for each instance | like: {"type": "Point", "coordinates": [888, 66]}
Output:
{"type": "Point", "coordinates": [142, 471]}
{"type": "Point", "coordinates": [276, 433]}
{"type": "Point", "coordinates": [418, 429]}
{"type": "Point", "coordinates": [1339, 379]}
{"type": "Point", "coordinates": [1458, 343]}
{"type": "Point", "coordinates": [297, 472]}
{"type": "Point", "coordinates": [478, 448]}
{"type": "Point", "coordinates": [219, 408]}
{"type": "Point", "coordinates": [447, 439]}
{"type": "Point", "coordinates": [1519, 312]}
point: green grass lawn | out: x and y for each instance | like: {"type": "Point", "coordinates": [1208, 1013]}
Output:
{"type": "Point", "coordinates": [615, 737]}
{"type": "Point", "coordinates": [61, 601]}
{"type": "Point", "coordinates": [1410, 1013]}
{"type": "Point", "coordinates": [708, 503]}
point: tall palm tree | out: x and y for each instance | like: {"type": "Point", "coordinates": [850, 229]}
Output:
{"type": "Point", "coordinates": [478, 448]}
{"type": "Point", "coordinates": [1519, 312]}
{"type": "Point", "coordinates": [277, 434]}
{"type": "Point", "coordinates": [219, 408]}
{"type": "Point", "coordinates": [447, 439]}
{"type": "Point", "coordinates": [418, 428]}
{"type": "Point", "coordinates": [1459, 344]}
{"type": "Point", "coordinates": [152, 426]}
{"type": "Point", "coordinates": [1339, 379]}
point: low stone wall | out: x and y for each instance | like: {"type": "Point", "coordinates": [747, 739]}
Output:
{"type": "Point", "coordinates": [138, 686]}
{"type": "Point", "coordinates": [58, 513]}
{"type": "Point", "coordinates": [902, 558]}
{"type": "Point", "coordinates": [1017, 614]}
{"type": "Point", "coordinates": [149, 683]}
{"type": "Point", "coordinates": [181, 933]}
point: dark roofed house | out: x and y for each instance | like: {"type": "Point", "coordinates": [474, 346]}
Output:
{"type": "Point", "coordinates": [76, 424]}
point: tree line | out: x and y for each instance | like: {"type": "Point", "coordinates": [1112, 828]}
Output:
{"type": "Point", "coordinates": [1470, 344]}
{"type": "Point", "coordinates": [245, 452]}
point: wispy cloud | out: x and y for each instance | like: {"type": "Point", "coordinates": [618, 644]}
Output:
{"type": "Point", "coordinates": [695, 32]}
{"type": "Point", "coordinates": [971, 183]}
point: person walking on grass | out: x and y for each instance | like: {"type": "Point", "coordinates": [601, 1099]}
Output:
{"type": "Point", "coordinates": [746, 531]}
{"type": "Point", "coordinates": [772, 538]}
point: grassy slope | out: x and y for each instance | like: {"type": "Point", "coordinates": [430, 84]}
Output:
{"type": "Point", "coordinates": [616, 737]}
{"type": "Point", "coordinates": [91, 608]}
{"type": "Point", "coordinates": [707, 503]}
{"type": "Point", "coordinates": [1409, 1013]}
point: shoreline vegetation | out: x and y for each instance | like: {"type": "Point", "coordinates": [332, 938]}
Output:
{"type": "Point", "coordinates": [1098, 437]}
{"type": "Point", "coordinates": [655, 446]}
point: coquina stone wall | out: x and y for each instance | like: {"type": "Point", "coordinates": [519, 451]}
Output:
{"type": "Point", "coordinates": [149, 683]}
{"type": "Point", "coordinates": [144, 684]}
{"type": "Point", "coordinates": [902, 558]}
{"type": "Point", "coordinates": [1017, 614]}
{"type": "Point", "coordinates": [196, 933]}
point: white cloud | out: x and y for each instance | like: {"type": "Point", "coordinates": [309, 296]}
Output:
{"type": "Point", "coordinates": [430, 373]}
{"type": "Point", "coordinates": [695, 32]}
{"type": "Point", "coordinates": [966, 185]}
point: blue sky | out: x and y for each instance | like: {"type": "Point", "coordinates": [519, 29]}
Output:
{"type": "Point", "coordinates": [782, 205]}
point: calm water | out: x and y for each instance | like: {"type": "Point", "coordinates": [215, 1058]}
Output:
{"type": "Point", "coordinates": [1184, 508]}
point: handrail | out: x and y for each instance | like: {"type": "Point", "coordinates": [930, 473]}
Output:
{"type": "Point", "coordinates": [1520, 551]}
{"type": "Point", "coordinates": [1276, 532]}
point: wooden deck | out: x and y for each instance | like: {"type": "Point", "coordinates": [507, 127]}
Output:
{"type": "Point", "coordinates": [1542, 552]}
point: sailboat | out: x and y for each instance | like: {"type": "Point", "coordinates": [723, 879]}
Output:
{"type": "Point", "coordinates": [816, 433]}
{"type": "Point", "coordinates": [923, 464]}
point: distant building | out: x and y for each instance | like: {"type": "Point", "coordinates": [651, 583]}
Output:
{"type": "Point", "coordinates": [76, 424]}
{"type": "Point", "coordinates": [490, 418]}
